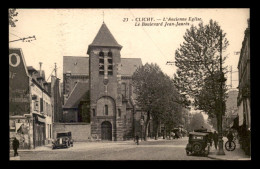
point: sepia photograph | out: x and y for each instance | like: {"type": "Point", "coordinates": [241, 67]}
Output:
{"type": "Point", "coordinates": [129, 84]}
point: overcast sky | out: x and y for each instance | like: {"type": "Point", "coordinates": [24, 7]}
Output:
{"type": "Point", "coordinates": [68, 32]}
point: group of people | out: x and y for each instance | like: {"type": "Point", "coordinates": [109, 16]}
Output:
{"type": "Point", "coordinates": [214, 137]}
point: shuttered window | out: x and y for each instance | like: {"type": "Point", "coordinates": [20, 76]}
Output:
{"type": "Point", "coordinates": [41, 105]}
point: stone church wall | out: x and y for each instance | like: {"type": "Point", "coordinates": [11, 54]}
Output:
{"type": "Point", "coordinates": [79, 131]}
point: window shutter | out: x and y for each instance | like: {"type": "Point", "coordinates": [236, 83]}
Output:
{"type": "Point", "coordinates": [41, 105]}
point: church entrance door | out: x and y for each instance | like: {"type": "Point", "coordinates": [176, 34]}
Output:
{"type": "Point", "coordinates": [106, 131]}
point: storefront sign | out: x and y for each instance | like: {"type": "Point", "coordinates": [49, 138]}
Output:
{"type": "Point", "coordinates": [19, 102]}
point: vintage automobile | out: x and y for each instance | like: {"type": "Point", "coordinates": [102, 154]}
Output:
{"type": "Point", "coordinates": [199, 143]}
{"type": "Point", "coordinates": [63, 140]}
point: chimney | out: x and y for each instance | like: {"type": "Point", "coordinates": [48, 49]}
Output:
{"type": "Point", "coordinates": [40, 68]}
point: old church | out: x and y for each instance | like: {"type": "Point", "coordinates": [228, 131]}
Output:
{"type": "Point", "coordinates": [98, 90]}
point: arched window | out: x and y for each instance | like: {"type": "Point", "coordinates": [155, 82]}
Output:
{"type": "Point", "coordinates": [94, 112]}
{"type": "Point", "coordinates": [110, 54]}
{"type": "Point", "coordinates": [123, 89]}
{"type": "Point", "coordinates": [101, 53]}
{"type": "Point", "coordinates": [106, 109]}
{"type": "Point", "coordinates": [101, 63]}
{"type": "Point", "coordinates": [110, 63]}
{"type": "Point", "coordinates": [119, 113]}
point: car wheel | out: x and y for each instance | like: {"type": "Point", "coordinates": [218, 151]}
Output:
{"type": "Point", "coordinates": [196, 147]}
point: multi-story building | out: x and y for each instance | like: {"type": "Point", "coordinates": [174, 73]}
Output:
{"type": "Point", "coordinates": [42, 109]}
{"type": "Point", "coordinates": [20, 117]}
{"type": "Point", "coordinates": [103, 81]}
{"type": "Point", "coordinates": [244, 96]}
{"type": "Point", "coordinates": [30, 107]}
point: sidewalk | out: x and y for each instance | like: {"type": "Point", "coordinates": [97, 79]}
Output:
{"type": "Point", "coordinates": [237, 154]}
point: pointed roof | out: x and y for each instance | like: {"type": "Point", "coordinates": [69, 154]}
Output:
{"type": "Point", "coordinates": [104, 38]}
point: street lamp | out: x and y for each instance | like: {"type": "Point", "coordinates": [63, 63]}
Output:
{"type": "Point", "coordinates": [141, 123]}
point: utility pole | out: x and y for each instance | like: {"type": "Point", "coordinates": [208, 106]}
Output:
{"type": "Point", "coordinates": [231, 77]}
{"type": "Point", "coordinates": [220, 112]}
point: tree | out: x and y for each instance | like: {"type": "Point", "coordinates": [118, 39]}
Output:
{"type": "Point", "coordinates": [156, 95]}
{"type": "Point", "coordinates": [147, 84]}
{"type": "Point", "coordinates": [197, 59]}
{"type": "Point", "coordinates": [12, 14]}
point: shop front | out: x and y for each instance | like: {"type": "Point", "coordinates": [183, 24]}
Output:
{"type": "Point", "coordinates": [39, 133]}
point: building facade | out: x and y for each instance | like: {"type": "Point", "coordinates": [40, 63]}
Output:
{"type": "Point", "coordinates": [244, 96]}
{"type": "Point", "coordinates": [103, 81]}
{"type": "Point", "coordinates": [30, 107]}
{"type": "Point", "coordinates": [20, 119]}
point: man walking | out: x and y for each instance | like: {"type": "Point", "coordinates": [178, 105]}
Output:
{"type": "Point", "coordinates": [215, 139]}
{"type": "Point", "coordinates": [137, 139]}
{"type": "Point", "coordinates": [15, 146]}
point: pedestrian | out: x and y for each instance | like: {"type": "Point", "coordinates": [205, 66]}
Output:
{"type": "Point", "coordinates": [210, 138]}
{"type": "Point", "coordinates": [230, 137]}
{"type": "Point", "coordinates": [137, 139]}
{"type": "Point", "coordinates": [215, 139]}
{"type": "Point", "coordinates": [15, 146]}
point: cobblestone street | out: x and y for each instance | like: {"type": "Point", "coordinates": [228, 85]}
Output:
{"type": "Point", "coordinates": [123, 150]}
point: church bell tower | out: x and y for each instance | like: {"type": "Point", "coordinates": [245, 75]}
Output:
{"type": "Point", "coordinates": [105, 86]}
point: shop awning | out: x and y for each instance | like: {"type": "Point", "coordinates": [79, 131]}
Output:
{"type": "Point", "coordinates": [234, 124]}
{"type": "Point", "coordinates": [40, 119]}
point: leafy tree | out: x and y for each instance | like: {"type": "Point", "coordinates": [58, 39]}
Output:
{"type": "Point", "coordinates": [156, 95]}
{"type": "Point", "coordinates": [197, 59]}
{"type": "Point", "coordinates": [12, 14]}
{"type": "Point", "coordinates": [147, 85]}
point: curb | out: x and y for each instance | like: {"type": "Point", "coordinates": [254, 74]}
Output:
{"type": "Point", "coordinates": [215, 158]}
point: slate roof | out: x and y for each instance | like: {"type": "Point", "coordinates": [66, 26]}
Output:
{"type": "Point", "coordinates": [129, 65]}
{"type": "Point", "coordinates": [76, 65]}
{"type": "Point", "coordinates": [76, 95]}
{"type": "Point", "coordinates": [80, 65]}
{"type": "Point", "coordinates": [104, 38]}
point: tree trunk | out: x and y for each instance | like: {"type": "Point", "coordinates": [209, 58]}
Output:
{"type": "Point", "coordinates": [157, 130]}
{"type": "Point", "coordinates": [146, 126]}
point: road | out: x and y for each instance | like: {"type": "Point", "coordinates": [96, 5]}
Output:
{"type": "Point", "coordinates": [123, 150]}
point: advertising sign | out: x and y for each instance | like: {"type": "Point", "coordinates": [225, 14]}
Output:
{"type": "Point", "coordinates": [19, 102]}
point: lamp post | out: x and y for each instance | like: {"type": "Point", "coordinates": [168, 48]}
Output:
{"type": "Point", "coordinates": [220, 112]}
{"type": "Point", "coordinates": [141, 123]}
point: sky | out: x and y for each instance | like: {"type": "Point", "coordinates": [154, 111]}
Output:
{"type": "Point", "coordinates": [68, 32]}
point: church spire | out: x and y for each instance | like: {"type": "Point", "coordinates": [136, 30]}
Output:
{"type": "Point", "coordinates": [103, 17]}
{"type": "Point", "coordinates": [104, 38]}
